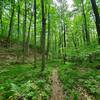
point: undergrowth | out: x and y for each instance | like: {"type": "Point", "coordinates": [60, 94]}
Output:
{"type": "Point", "coordinates": [24, 82]}
{"type": "Point", "coordinates": [74, 77]}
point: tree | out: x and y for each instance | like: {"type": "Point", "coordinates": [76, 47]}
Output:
{"type": "Point", "coordinates": [43, 35]}
{"type": "Point", "coordinates": [85, 24]}
{"type": "Point", "coordinates": [24, 29]}
{"type": "Point", "coordinates": [64, 43]}
{"type": "Point", "coordinates": [28, 37]}
{"type": "Point", "coordinates": [97, 18]}
{"type": "Point", "coordinates": [11, 22]}
{"type": "Point", "coordinates": [35, 33]}
{"type": "Point", "coordinates": [18, 27]}
{"type": "Point", "coordinates": [48, 42]}
{"type": "Point", "coordinates": [1, 12]}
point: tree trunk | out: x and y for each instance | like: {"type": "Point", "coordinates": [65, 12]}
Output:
{"type": "Point", "coordinates": [35, 11]}
{"type": "Point", "coordinates": [60, 41]}
{"type": "Point", "coordinates": [28, 37]}
{"type": "Point", "coordinates": [64, 43]}
{"type": "Point", "coordinates": [18, 28]}
{"type": "Point", "coordinates": [84, 35]}
{"type": "Point", "coordinates": [43, 35]}
{"type": "Point", "coordinates": [1, 8]}
{"type": "Point", "coordinates": [74, 41]}
{"type": "Point", "coordinates": [11, 24]}
{"type": "Point", "coordinates": [97, 17]}
{"type": "Point", "coordinates": [48, 42]}
{"type": "Point", "coordinates": [24, 31]}
{"type": "Point", "coordinates": [85, 24]}
{"type": "Point", "coordinates": [55, 46]}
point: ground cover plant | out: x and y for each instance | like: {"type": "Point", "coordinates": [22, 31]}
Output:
{"type": "Point", "coordinates": [49, 49]}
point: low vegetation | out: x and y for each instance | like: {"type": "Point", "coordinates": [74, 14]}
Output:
{"type": "Point", "coordinates": [49, 49]}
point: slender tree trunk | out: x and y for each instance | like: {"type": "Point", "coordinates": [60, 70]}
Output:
{"type": "Point", "coordinates": [11, 24]}
{"type": "Point", "coordinates": [18, 28]}
{"type": "Point", "coordinates": [43, 35]}
{"type": "Point", "coordinates": [84, 37]}
{"type": "Point", "coordinates": [85, 24]}
{"type": "Point", "coordinates": [60, 41]}
{"type": "Point", "coordinates": [35, 11]}
{"type": "Point", "coordinates": [18, 18]}
{"type": "Point", "coordinates": [97, 17]}
{"type": "Point", "coordinates": [1, 12]}
{"type": "Point", "coordinates": [24, 31]}
{"type": "Point", "coordinates": [55, 46]}
{"type": "Point", "coordinates": [64, 43]}
{"type": "Point", "coordinates": [48, 42]}
{"type": "Point", "coordinates": [28, 37]}
{"type": "Point", "coordinates": [59, 44]}
{"type": "Point", "coordinates": [74, 41]}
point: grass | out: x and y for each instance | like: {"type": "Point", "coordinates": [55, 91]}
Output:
{"type": "Point", "coordinates": [14, 72]}
{"type": "Point", "coordinates": [22, 80]}
{"type": "Point", "coordinates": [15, 77]}
{"type": "Point", "coordinates": [74, 77]}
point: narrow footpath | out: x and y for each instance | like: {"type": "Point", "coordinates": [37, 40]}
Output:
{"type": "Point", "coordinates": [57, 90]}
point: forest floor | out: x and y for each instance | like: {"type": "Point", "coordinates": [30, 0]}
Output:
{"type": "Point", "coordinates": [79, 82]}
{"type": "Point", "coordinates": [9, 56]}
{"type": "Point", "coordinates": [57, 90]}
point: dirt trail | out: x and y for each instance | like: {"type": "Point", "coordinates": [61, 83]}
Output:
{"type": "Point", "coordinates": [57, 91]}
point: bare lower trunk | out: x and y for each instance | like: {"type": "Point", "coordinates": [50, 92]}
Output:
{"type": "Point", "coordinates": [10, 27]}
{"type": "Point", "coordinates": [24, 32]}
{"type": "Point", "coordinates": [43, 36]}
{"type": "Point", "coordinates": [18, 28]}
{"type": "Point", "coordinates": [48, 42]}
{"type": "Point", "coordinates": [34, 33]}
{"type": "Point", "coordinates": [1, 12]}
{"type": "Point", "coordinates": [97, 17]}
{"type": "Point", "coordinates": [64, 43]}
{"type": "Point", "coordinates": [85, 25]}
{"type": "Point", "coordinates": [28, 37]}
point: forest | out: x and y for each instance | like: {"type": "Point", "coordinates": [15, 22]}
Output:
{"type": "Point", "coordinates": [49, 49]}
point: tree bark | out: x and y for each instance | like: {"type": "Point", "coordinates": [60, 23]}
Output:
{"type": "Point", "coordinates": [60, 41]}
{"type": "Point", "coordinates": [43, 35]}
{"type": "Point", "coordinates": [1, 8]}
{"type": "Point", "coordinates": [24, 30]}
{"type": "Point", "coordinates": [85, 24]}
{"type": "Point", "coordinates": [64, 43]}
{"type": "Point", "coordinates": [48, 42]}
{"type": "Point", "coordinates": [28, 37]}
{"type": "Point", "coordinates": [11, 24]}
{"type": "Point", "coordinates": [18, 27]}
{"type": "Point", "coordinates": [97, 18]}
{"type": "Point", "coordinates": [35, 11]}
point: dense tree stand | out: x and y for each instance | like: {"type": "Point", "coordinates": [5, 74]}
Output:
{"type": "Point", "coordinates": [49, 49]}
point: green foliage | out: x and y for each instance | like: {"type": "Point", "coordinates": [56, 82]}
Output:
{"type": "Point", "coordinates": [92, 85]}
{"type": "Point", "coordinates": [22, 81]}
{"type": "Point", "coordinates": [30, 90]}
{"type": "Point", "coordinates": [72, 77]}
